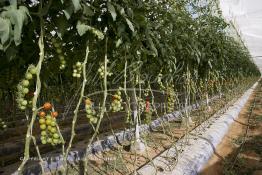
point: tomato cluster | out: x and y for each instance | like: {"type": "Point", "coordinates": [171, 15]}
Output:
{"type": "Point", "coordinates": [23, 96]}
{"type": "Point", "coordinates": [48, 125]}
{"type": "Point", "coordinates": [116, 103]}
{"type": "Point", "coordinates": [58, 48]}
{"type": "Point", "coordinates": [77, 70]}
{"type": "Point", "coordinates": [101, 71]}
{"type": "Point", "coordinates": [90, 112]}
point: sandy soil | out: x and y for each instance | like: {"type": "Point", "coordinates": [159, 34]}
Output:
{"type": "Point", "coordinates": [229, 145]}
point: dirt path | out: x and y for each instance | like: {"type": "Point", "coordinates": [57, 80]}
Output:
{"type": "Point", "coordinates": [249, 159]}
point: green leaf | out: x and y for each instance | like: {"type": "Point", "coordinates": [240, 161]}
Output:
{"type": "Point", "coordinates": [119, 41]}
{"type": "Point", "coordinates": [18, 17]}
{"type": "Point", "coordinates": [77, 5]}
{"type": "Point", "coordinates": [112, 10]}
{"type": "Point", "coordinates": [68, 11]}
{"type": "Point", "coordinates": [88, 11]}
{"type": "Point", "coordinates": [83, 28]}
{"type": "Point", "coordinates": [130, 25]}
{"type": "Point", "coordinates": [62, 25]}
{"type": "Point", "coordinates": [5, 30]}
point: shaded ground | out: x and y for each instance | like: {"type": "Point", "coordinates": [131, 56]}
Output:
{"type": "Point", "coordinates": [241, 148]}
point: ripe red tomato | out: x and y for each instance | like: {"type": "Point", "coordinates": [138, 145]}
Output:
{"type": "Point", "coordinates": [47, 106]}
{"type": "Point", "coordinates": [41, 114]}
{"type": "Point", "coordinates": [54, 114]}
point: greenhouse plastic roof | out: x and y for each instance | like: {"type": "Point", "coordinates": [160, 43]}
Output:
{"type": "Point", "coordinates": [246, 15]}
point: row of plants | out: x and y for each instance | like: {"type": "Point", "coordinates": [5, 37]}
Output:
{"type": "Point", "coordinates": [123, 49]}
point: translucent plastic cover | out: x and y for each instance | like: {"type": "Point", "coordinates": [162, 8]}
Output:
{"type": "Point", "coordinates": [246, 15]}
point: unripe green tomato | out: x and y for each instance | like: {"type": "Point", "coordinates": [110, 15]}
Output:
{"type": "Point", "coordinates": [53, 123]}
{"type": "Point", "coordinates": [49, 128]}
{"type": "Point", "coordinates": [22, 107]}
{"type": "Point", "coordinates": [78, 64]}
{"type": "Point", "coordinates": [49, 140]}
{"type": "Point", "coordinates": [25, 90]}
{"type": "Point", "coordinates": [43, 142]}
{"type": "Point", "coordinates": [55, 135]}
{"type": "Point", "coordinates": [33, 70]}
{"type": "Point", "coordinates": [43, 126]}
{"type": "Point", "coordinates": [63, 62]}
{"type": "Point", "coordinates": [43, 133]}
{"type": "Point", "coordinates": [43, 138]}
{"type": "Point", "coordinates": [95, 120]}
{"type": "Point", "coordinates": [42, 121]}
{"type": "Point", "coordinates": [48, 121]}
{"type": "Point", "coordinates": [28, 76]}
{"type": "Point", "coordinates": [19, 87]}
{"type": "Point", "coordinates": [25, 83]}
{"type": "Point", "coordinates": [48, 117]}
{"type": "Point", "coordinates": [55, 141]}
{"type": "Point", "coordinates": [24, 103]}
{"type": "Point", "coordinates": [53, 130]}
{"type": "Point", "coordinates": [89, 111]}
{"type": "Point", "coordinates": [78, 75]}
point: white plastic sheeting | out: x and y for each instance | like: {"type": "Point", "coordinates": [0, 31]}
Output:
{"type": "Point", "coordinates": [200, 146]}
{"type": "Point", "coordinates": [246, 15]}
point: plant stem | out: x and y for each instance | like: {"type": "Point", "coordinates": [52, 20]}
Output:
{"type": "Point", "coordinates": [65, 156]}
{"type": "Point", "coordinates": [103, 110]}
{"type": "Point", "coordinates": [35, 98]}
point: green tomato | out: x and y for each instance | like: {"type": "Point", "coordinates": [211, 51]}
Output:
{"type": "Point", "coordinates": [33, 70]}
{"type": "Point", "coordinates": [78, 64]}
{"type": "Point", "coordinates": [25, 90]}
{"type": "Point", "coordinates": [42, 121]}
{"type": "Point", "coordinates": [89, 111]}
{"type": "Point", "coordinates": [43, 142]}
{"type": "Point", "coordinates": [95, 120]}
{"type": "Point", "coordinates": [53, 123]}
{"type": "Point", "coordinates": [19, 87]}
{"type": "Point", "coordinates": [48, 117]}
{"type": "Point", "coordinates": [43, 126]}
{"type": "Point", "coordinates": [24, 103]}
{"type": "Point", "coordinates": [28, 76]}
{"type": "Point", "coordinates": [43, 133]}
{"type": "Point", "coordinates": [49, 128]}
{"type": "Point", "coordinates": [25, 83]}
{"type": "Point", "coordinates": [56, 136]}
{"type": "Point", "coordinates": [53, 130]}
{"type": "Point", "coordinates": [55, 141]}
{"type": "Point", "coordinates": [22, 107]}
{"type": "Point", "coordinates": [49, 140]}
{"type": "Point", "coordinates": [48, 121]}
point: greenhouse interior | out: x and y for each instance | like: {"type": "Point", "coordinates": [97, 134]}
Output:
{"type": "Point", "coordinates": [130, 87]}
